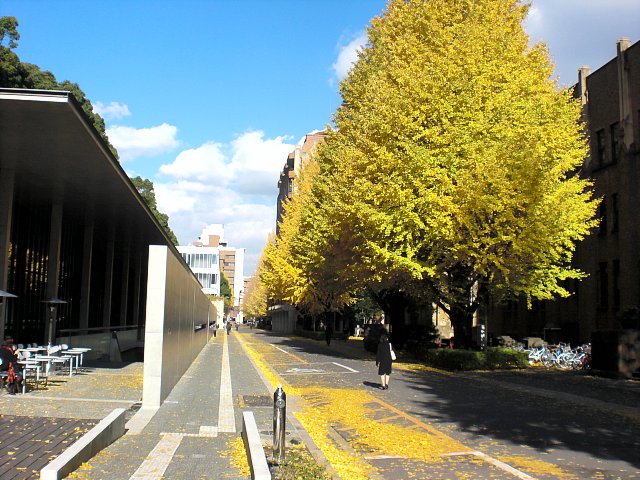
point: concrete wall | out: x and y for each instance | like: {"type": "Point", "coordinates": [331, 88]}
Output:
{"type": "Point", "coordinates": [283, 318]}
{"type": "Point", "coordinates": [176, 309]}
{"type": "Point", "coordinates": [218, 305]}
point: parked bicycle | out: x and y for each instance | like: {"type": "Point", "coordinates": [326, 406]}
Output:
{"type": "Point", "coordinates": [561, 356]}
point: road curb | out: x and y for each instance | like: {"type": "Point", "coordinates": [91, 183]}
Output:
{"type": "Point", "coordinates": [102, 435]}
{"type": "Point", "coordinates": [293, 403]}
{"type": "Point", "coordinates": [253, 446]}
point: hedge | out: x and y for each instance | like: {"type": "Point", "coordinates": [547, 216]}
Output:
{"type": "Point", "coordinates": [494, 358]}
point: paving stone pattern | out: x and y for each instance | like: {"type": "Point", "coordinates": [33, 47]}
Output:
{"type": "Point", "coordinates": [28, 443]}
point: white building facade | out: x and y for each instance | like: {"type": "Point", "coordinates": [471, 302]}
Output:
{"type": "Point", "coordinates": [205, 264]}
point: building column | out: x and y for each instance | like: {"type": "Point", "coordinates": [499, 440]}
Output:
{"type": "Point", "coordinates": [7, 181]}
{"type": "Point", "coordinates": [137, 283]}
{"type": "Point", "coordinates": [87, 259]}
{"type": "Point", "coordinates": [583, 72]}
{"type": "Point", "coordinates": [626, 116]}
{"type": "Point", "coordinates": [53, 268]}
{"type": "Point", "coordinates": [124, 292]}
{"type": "Point", "coordinates": [108, 276]}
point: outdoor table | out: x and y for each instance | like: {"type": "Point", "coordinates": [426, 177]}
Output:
{"type": "Point", "coordinates": [78, 350]}
{"type": "Point", "coordinates": [77, 356]}
{"type": "Point", "coordinates": [35, 349]}
{"type": "Point", "coordinates": [54, 358]}
{"type": "Point", "coordinates": [27, 366]}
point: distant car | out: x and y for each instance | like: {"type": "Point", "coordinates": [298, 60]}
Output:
{"type": "Point", "coordinates": [372, 333]}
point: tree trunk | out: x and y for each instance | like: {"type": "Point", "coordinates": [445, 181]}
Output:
{"type": "Point", "coordinates": [462, 322]}
{"type": "Point", "coordinates": [393, 304]}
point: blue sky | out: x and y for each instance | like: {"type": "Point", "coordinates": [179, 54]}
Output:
{"type": "Point", "coordinates": [206, 98]}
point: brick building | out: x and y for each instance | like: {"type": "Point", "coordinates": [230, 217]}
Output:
{"type": "Point", "coordinates": [295, 160]}
{"type": "Point", "coordinates": [611, 254]}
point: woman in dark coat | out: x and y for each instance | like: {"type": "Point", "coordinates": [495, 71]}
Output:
{"type": "Point", "coordinates": [328, 333]}
{"type": "Point", "coordinates": [383, 361]}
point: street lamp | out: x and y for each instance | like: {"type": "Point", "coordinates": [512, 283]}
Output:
{"type": "Point", "coordinates": [52, 302]}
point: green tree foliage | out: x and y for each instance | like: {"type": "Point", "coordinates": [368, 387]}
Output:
{"type": "Point", "coordinates": [225, 288]}
{"type": "Point", "coordinates": [146, 191]}
{"type": "Point", "coordinates": [451, 168]}
{"type": "Point", "coordinates": [17, 74]}
{"type": "Point", "coordinates": [9, 35]}
{"type": "Point", "coordinates": [226, 293]}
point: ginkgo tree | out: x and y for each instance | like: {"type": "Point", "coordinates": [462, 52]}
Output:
{"type": "Point", "coordinates": [294, 266]}
{"type": "Point", "coordinates": [254, 302]}
{"type": "Point", "coordinates": [454, 158]}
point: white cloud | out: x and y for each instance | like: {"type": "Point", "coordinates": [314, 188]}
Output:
{"type": "Point", "coordinates": [234, 184]}
{"type": "Point", "coordinates": [173, 200]}
{"type": "Point", "coordinates": [567, 27]}
{"type": "Point", "coordinates": [348, 55]}
{"type": "Point", "coordinates": [250, 164]}
{"type": "Point", "coordinates": [534, 23]}
{"type": "Point", "coordinates": [112, 111]}
{"type": "Point", "coordinates": [257, 162]}
{"type": "Point", "coordinates": [138, 142]}
{"type": "Point", "coordinates": [206, 162]}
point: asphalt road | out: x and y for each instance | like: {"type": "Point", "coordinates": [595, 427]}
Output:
{"type": "Point", "coordinates": [473, 425]}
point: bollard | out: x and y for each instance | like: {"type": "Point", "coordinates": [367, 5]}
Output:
{"type": "Point", "coordinates": [279, 421]}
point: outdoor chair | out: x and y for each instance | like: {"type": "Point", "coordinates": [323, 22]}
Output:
{"type": "Point", "coordinates": [30, 368]}
{"type": "Point", "coordinates": [4, 375]}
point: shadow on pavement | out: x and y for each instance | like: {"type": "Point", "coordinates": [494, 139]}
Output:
{"type": "Point", "coordinates": [350, 349]}
{"type": "Point", "coordinates": [372, 385]}
{"type": "Point", "coordinates": [485, 410]}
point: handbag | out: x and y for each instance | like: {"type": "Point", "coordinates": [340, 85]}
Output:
{"type": "Point", "coordinates": [393, 354]}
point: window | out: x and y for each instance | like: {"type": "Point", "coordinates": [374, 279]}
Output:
{"type": "Point", "coordinates": [603, 216]}
{"type": "Point", "coordinates": [615, 141]}
{"type": "Point", "coordinates": [603, 285]}
{"type": "Point", "coordinates": [616, 284]}
{"type": "Point", "coordinates": [600, 159]}
{"type": "Point", "coordinates": [614, 212]}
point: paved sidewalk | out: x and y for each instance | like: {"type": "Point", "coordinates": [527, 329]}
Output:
{"type": "Point", "coordinates": [38, 426]}
{"type": "Point", "coordinates": [193, 434]}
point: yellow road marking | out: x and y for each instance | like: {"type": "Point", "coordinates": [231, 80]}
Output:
{"type": "Point", "coordinates": [290, 354]}
{"type": "Point", "coordinates": [415, 421]}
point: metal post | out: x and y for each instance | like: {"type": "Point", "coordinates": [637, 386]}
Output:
{"type": "Point", "coordinates": [279, 421]}
{"type": "Point", "coordinates": [52, 302]}
{"type": "Point", "coordinates": [50, 333]}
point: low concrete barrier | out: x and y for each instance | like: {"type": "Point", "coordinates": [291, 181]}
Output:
{"type": "Point", "coordinates": [253, 446]}
{"type": "Point", "coordinates": [102, 435]}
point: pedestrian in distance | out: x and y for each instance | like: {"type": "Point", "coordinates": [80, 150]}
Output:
{"type": "Point", "coordinates": [228, 328]}
{"type": "Point", "coordinates": [328, 333]}
{"type": "Point", "coordinates": [215, 329]}
{"type": "Point", "coordinates": [384, 361]}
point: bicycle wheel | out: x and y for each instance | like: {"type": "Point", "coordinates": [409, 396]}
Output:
{"type": "Point", "coordinates": [546, 359]}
